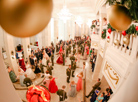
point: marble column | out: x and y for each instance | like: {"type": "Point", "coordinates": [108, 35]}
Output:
{"type": "Point", "coordinates": [7, 90]}
{"type": "Point", "coordinates": [9, 45]}
{"type": "Point", "coordinates": [26, 44]}
{"type": "Point", "coordinates": [40, 40]}
{"type": "Point", "coordinates": [47, 35]}
{"type": "Point", "coordinates": [98, 67]}
{"type": "Point", "coordinates": [55, 31]}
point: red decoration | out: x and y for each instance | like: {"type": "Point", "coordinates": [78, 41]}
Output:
{"type": "Point", "coordinates": [124, 33]}
{"type": "Point", "coordinates": [136, 28]}
{"type": "Point", "coordinates": [109, 30]}
{"type": "Point", "coordinates": [102, 32]}
{"type": "Point", "coordinates": [35, 94]}
{"type": "Point", "coordinates": [108, 37]}
{"type": "Point", "coordinates": [93, 32]}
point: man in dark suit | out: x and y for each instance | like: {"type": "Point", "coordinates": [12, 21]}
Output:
{"type": "Point", "coordinates": [74, 51]}
{"type": "Point", "coordinates": [52, 58]}
{"type": "Point", "coordinates": [49, 68]}
{"type": "Point", "coordinates": [72, 58]}
{"type": "Point", "coordinates": [74, 67]}
{"type": "Point", "coordinates": [94, 87]}
{"type": "Point", "coordinates": [93, 62]}
{"type": "Point", "coordinates": [68, 73]}
{"type": "Point", "coordinates": [63, 56]}
{"type": "Point", "coordinates": [67, 51]}
{"type": "Point", "coordinates": [62, 94]}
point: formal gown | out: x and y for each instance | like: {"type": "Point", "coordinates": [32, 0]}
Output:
{"type": "Point", "coordinates": [60, 59]}
{"type": "Point", "coordinates": [29, 72]}
{"type": "Point", "coordinates": [72, 92]}
{"type": "Point", "coordinates": [93, 98]}
{"type": "Point", "coordinates": [47, 80]}
{"type": "Point", "coordinates": [79, 84]}
{"type": "Point", "coordinates": [21, 77]}
{"type": "Point", "coordinates": [12, 76]}
{"type": "Point", "coordinates": [52, 86]}
{"type": "Point", "coordinates": [22, 64]}
{"type": "Point", "coordinates": [37, 70]}
{"type": "Point", "coordinates": [99, 98]}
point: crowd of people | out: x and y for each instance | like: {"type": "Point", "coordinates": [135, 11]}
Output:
{"type": "Point", "coordinates": [41, 63]}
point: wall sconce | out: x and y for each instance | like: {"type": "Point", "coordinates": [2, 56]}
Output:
{"type": "Point", "coordinates": [12, 55]}
{"type": "Point", "coordinates": [29, 49]}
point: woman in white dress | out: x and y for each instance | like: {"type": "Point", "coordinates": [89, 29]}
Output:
{"type": "Point", "coordinates": [47, 80]}
{"type": "Point", "coordinates": [29, 72]}
{"type": "Point", "coordinates": [21, 76]}
{"type": "Point", "coordinates": [45, 58]}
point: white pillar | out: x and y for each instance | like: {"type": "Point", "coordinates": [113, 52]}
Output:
{"type": "Point", "coordinates": [26, 43]}
{"type": "Point", "coordinates": [9, 45]}
{"type": "Point", "coordinates": [7, 91]}
{"type": "Point", "coordinates": [40, 40]}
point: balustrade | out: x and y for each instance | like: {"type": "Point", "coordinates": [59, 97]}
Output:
{"type": "Point", "coordinates": [125, 45]}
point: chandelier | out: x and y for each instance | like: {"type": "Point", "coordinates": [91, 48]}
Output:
{"type": "Point", "coordinates": [89, 23]}
{"type": "Point", "coordinates": [79, 20]}
{"type": "Point", "coordinates": [64, 14]}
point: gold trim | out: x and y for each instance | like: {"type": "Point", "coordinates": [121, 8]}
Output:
{"type": "Point", "coordinates": [117, 78]}
{"type": "Point", "coordinates": [108, 67]}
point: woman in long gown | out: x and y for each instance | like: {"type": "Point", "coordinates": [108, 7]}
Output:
{"type": "Point", "coordinates": [100, 98]}
{"type": "Point", "coordinates": [21, 76]}
{"type": "Point", "coordinates": [72, 92]}
{"type": "Point", "coordinates": [87, 50]}
{"type": "Point", "coordinates": [60, 59]}
{"type": "Point", "coordinates": [96, 93]}
{"type": "Point", "coordinates": [29, 72]}
{"type": "Point", "coordinates": [37, 70]}
{"type": "Point", "coordinates": [12, 75]}
{"type": "Point", "coordinates": [52, 85]}
{"type": "Point", "coordinates": [47, 80]}
{"type": "Point", "coordinates": [79, 83]}
{"type": "Point", "coordinates": [85, 53]}
{"type": "Point", "coordinates": [45, 57]}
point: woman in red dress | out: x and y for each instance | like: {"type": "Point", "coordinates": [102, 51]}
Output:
{"type": "Point", "coordinates": [79, 83]}
{"type": "Point", "coordinates": [60, 59]}
{"type": "Point", "coordinates": [87, 50]}
{"type": "Point", "coordinates": [52, 85]}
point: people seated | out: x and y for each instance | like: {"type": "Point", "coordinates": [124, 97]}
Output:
{"type": "Point", "coordinates": [27, 81]}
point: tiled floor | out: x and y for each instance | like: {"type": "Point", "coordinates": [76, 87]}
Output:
{"type": "Point", "coordinates": [60, 73]}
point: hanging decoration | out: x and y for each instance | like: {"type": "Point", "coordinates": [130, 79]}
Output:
{"type": "Point", "coordinates": [25, 18]}
{"type": "Point", "coordinates": [116, 42]}
{"type": "Point", "coordinates": [108, 39]}
{"type": "Point", "coordinates": [131, 6]}
{"type": "Point", "coordinates": [119, 17]}
{"type": "Point", "coordinates": [64, 14]}
{"type": "Point", "coordinates": [104, 34]}
{"type": "Point", "coordinates": [79, 21]}
{"type": "Point", "coordinates": [126, 40]}
{"type": "Point", "coordinates": [124, 33]}
{"type": "Point", "coordinates": [121, 13]}
{"type": "Point", "coordinates": [110, 28]}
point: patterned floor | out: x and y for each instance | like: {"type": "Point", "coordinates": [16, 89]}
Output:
{"type": "Point", "coordinates": [60, 73]}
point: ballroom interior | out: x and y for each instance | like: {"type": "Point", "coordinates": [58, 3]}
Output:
{"type": "Point", "coordinates": [48, 24]}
